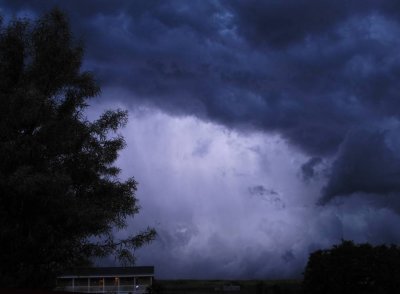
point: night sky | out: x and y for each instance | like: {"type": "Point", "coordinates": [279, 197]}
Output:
{"type": "Point", "coordinates": [259, 131]}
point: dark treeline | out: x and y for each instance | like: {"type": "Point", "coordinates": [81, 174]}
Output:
{"type": "Point", "coordinates": [345, 268]}
{"type": "Point", "coordinates": [353, 268]}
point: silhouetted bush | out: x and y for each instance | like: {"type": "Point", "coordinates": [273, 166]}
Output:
{"type": "Point", "coordinates": [351, 268]}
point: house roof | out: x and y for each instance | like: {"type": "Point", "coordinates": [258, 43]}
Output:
{"type": "Point", "coordinates": [109, 271]}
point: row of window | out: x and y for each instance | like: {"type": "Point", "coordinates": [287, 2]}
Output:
{"type": "Point", "coordinates": [122, 281]}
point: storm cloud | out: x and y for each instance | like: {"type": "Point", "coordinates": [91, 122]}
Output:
{"type": "Point", "coordinates": [368, 162]}
{"type": "Point", "coordinates": [292, 105]}
{"type": "Point", "coordinates": [310, 70]}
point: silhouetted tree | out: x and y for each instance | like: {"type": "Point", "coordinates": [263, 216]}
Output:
{"type": "Point", "coordinates": [350, 268]}
{"type": "Point", "coordinates": [60, 195]}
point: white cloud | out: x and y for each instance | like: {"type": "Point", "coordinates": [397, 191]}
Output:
{"type": "Point", "coordinates": [201, 205]}
{"type": "Point", "coordinates": [228, 204]}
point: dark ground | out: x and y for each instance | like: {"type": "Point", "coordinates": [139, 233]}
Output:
{"type": "Point", "coordinates": [203, 287]}
{"type": "Point", "coordinates": [228, 286]}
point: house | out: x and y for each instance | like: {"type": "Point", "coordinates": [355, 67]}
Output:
{"type": "Point", "coordinates": [123, 280]}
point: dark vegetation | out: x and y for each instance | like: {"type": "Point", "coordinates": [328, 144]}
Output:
{"type": "Point", "coordinates": [346, 268]}
{"type": "Point", "coordinates": [60, 195]}
{"type": "Point", "coordinates": [351, 268]}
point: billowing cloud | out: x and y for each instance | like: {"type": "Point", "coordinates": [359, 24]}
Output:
{"type": "Point", "coordinates": [310, 70]}
{"type": "Point", "coordinates": [368, 162]}
{"type": "Point", "coordinates": [240, 210]}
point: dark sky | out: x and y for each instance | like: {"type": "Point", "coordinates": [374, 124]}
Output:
{"type": "Point", "coordinates": [259, 130]}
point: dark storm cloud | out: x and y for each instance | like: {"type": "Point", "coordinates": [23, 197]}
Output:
{"type": "Point", "coordinates": [282, 23]}
{"type": "Point", "coordinates": [368, 162]}
{"type": "Point", "coordinates": [268, 195]}
{"type": "Point", "coordinates": [310, 70]}
{"type": "Point", "coordinates": [260, 190]}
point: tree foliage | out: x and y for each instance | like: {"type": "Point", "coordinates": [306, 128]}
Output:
{"type": "Point", "coordinates": [60, 195]}
{"type": "Point", "coordinates": [351, 268]}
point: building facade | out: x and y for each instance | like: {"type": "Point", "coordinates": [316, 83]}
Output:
{"type": "Point", "coordinates": [122, 280]}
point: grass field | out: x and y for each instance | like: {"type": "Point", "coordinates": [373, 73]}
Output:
{"type": "Point", "coordinates": [228, 286]}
